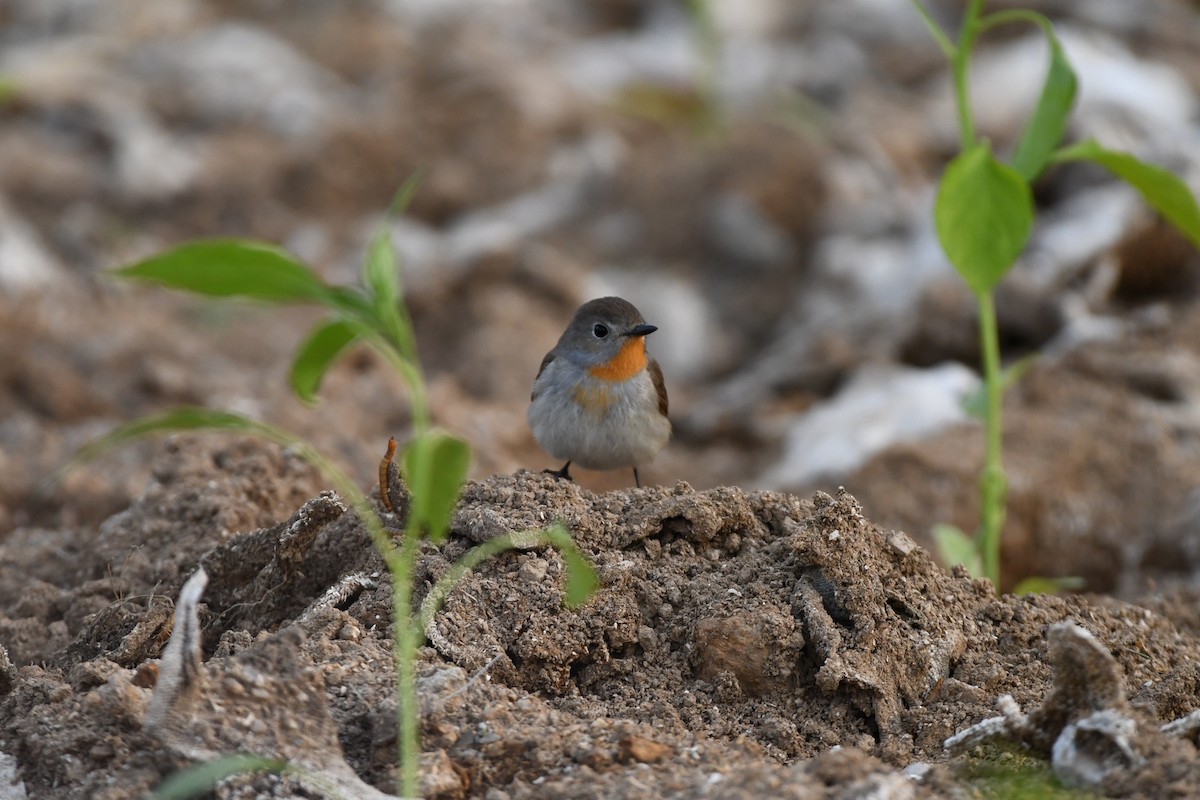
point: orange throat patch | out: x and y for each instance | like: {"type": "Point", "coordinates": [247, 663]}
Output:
{"type": "Point", "coordinates": [629, 361]}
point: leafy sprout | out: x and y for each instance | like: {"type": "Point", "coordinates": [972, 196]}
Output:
{"type": "Point", "coordinates": [984, 215]}
{"type": "Point", "coordinates": [435, 461]}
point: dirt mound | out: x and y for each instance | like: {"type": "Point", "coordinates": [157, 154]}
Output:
{"type": "Point", "coordinates": [736, 638]}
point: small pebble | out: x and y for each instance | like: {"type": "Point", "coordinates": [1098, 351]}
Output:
{"type": "Point", "coordinates": [902, 543]}
{"type": "Point", "coordinates": [534, 569]}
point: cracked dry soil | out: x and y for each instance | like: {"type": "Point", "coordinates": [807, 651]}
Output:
{"type": "Point", "coordinates": [741, 645]}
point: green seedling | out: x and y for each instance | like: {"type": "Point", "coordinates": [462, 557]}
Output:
{"type": "Point", "coordinates": [435, 461]}
{"type": "Point", "coordinates": [984, 214]}
{"type": "Point", "coordinates": [201, 779]}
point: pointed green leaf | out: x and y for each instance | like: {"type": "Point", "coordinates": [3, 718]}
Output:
{"type": "Point", "coordinates": [382, 278]}
{"type": "Point", "coordinates": [231, 268]}
{"type": "Point", "coordinates": [581, 579]}
{"type": "Point", "coordinates": [983, 214]}
{"type": "Point", "coordinates": [1046, 127]}
{"type": "Point", "coordinates": [381, 274]}
{"type": "Point", "coordinates": [202, 778]}
{"type": "Point", "coordinates": [1040, 585]}
{"type": "Point", "coordinates": [179, 420]}
{"type": "Point", "coordinates": [404, 195]}
{"type": "Point", "coordinates": [435, 468]}
{"type": "Point", "coordinates": [326, 342]}
{"type": "Point", "coordinates": [1166, 194]}
{"type": "Point", "coordinates": [955, 547]}
{"type": "Point", "coordinates": [191, 419]}
{"type": "Point", "coordinates": [379, 271]}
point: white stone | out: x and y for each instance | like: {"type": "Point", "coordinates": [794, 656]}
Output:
{"type": "Point", "coordinates": [881, 406]}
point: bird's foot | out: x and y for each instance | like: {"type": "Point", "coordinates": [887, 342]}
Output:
{"type": "Point", "coordinates": [560, 474]}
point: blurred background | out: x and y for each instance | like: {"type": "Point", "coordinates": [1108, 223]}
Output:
{"type": "Point", "coordinates": [757, 177]}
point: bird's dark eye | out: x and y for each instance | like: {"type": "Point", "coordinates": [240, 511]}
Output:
{"type": "Point", "coordinates": [600, 331]}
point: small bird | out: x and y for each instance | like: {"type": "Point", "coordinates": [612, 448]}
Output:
{"type": "Point", "coordinates": [599, 400]}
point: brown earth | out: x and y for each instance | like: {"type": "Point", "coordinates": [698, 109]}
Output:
{"type": "Point", "coordinates": [736, 638]}
{"type": "Point", "coordinates": [743, 644]}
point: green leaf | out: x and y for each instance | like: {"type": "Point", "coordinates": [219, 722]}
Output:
{"type": "Point", "coordinates": [177, 421]}
{"type": "Point", "coordinates": [983, 213]}
{"type": "Point", "coordinates": [379, 273]}
{"type": "Point", "coordinates": [326, 342]}
{"type": "Point", "coordinates": [231, 268]}
{"type": "Point", "coordinates": [381, 276]}
{"type": "Point", "coordinates": [1166, 194]}
{"type": "Point", "coordinates": [191, 419]}
{"type": "Point", "coordinates": [435, 467]}
{"type": "Point", "coordinates": [404, 195]}
{"type": "Point", "coordinates": [581, 579]}
{"type": "Point", "coordinates": [1040, 585]}
{"type": "Point", "coordinates": [1046, 127]}
{"type": "Point", "coordinates": [180, 420]}
{"type": "Point", "coordinates": [202, 778]}
{"type": "Point", "coordinates": [975, 403]}
{"type": "Point", "coordinates": [955, 547]}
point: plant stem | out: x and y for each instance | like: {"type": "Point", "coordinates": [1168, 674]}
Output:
{"type": "Point", "coordinates": [399, 564]}
{"type": "Point", "coordinates": [943, 41]}
{"type": "Point", "coordinates": [410, 373]}
{"type": "Point", "coordinates": [1016, 15]}
{"type": "Point", "coordinates": [472, 559]}
{"type": "Point", "coordinates": [959, 64]}
{"type": "Point", "coordinates": [405, 645]}
{"type": "Point", "coordinates": [405, 629]}
{"type": "Point", "coordinates": [992, 483]}
{"type": "Point", "coordinates": [398, 346]}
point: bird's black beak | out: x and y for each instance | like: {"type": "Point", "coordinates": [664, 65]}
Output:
{"type": "Point", "coordinates": [641, 330]}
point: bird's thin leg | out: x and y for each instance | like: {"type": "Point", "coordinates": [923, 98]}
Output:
{"type": "Point", "coordinates": [561, 474]}
{"type": "Point", "coordinates": [636, 480]}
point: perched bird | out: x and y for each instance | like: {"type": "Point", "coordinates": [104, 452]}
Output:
{"type": "Point", "coordinates": [599, 400]}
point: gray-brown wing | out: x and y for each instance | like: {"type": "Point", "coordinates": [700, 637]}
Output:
{"type": "Point", "coordinates": [545, 362]}
{"type": "Point", "coordinates": [659, 384]}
